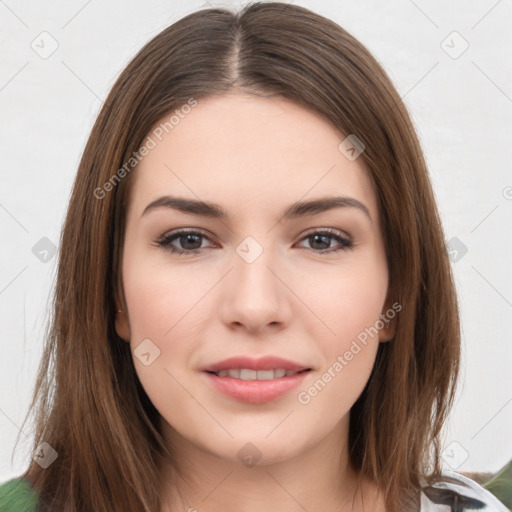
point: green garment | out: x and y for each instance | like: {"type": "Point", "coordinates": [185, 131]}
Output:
{"type": "Point", "coordinates": [16, 495]}
{"type": "Point", "coordinates": [501, 485]}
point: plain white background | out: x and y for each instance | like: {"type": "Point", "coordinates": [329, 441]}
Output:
{"type": "Point", "coordinates": [460, 100]}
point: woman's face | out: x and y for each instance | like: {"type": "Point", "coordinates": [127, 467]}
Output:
{"type": "Point", "coordinates": [260, 277]}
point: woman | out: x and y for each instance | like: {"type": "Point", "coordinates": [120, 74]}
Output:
{"type": "Point", "coordinates": [302, 352]}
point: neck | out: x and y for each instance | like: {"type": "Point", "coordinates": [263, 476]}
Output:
{"type": "Point", "coordinates": [318, 478]}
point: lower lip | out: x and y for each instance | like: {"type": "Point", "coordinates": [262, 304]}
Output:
{"type": "Point", "coordinates": [255, 391]}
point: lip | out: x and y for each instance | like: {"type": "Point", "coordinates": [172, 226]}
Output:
{"type": "Point", "coordinates": [255, 391]}
{"type": "Point", "coordinates": [262, 363]}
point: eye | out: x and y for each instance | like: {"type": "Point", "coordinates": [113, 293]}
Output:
{"type": "Point", "coordinates": [190, 241]}
{"type": "Point", "coordinates": [320, 241]}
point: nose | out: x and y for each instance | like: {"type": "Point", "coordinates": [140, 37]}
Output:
{"type": "Point", "coordinates": [255, 296]}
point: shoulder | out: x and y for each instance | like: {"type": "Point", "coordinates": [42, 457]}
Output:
{"type": "Point", "coordinates": [456, 492]}
{"type": "Point", "coordinates": [16, 495]}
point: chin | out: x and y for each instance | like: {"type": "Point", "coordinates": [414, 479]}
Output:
{"type": "Point", "coordinates": [251, 447]}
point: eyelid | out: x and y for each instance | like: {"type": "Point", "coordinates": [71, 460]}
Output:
{"type": "Point", "coordinates": [330, 231]}
{"type": "Point", "coordinates": [343, 239]}
{"type": "Point", "coordinates": [176, 233]}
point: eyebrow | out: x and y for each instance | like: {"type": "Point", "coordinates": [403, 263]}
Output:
{"type": "Point", "coordinates": [295, 210]}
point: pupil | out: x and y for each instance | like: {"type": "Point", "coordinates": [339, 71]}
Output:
{"type": "Point", "coordinates": [320, 237]}
{"type": "Point", "coordinates": [188, 238]}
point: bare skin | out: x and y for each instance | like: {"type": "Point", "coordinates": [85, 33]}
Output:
{"type": "Point", "coordinates": [299, 299]}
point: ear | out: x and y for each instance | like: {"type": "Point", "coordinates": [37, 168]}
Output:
{"type": "Point", "coordinates": [122, 324]}
{"type": "Point", "coordinates": [388, 318]}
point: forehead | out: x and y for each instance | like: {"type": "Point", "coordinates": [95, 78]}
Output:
{"type": "Point", "coordinates": [268, 151]}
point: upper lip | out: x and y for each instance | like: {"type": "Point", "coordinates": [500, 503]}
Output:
{"type": "Point", "coordinates": [262, 363]}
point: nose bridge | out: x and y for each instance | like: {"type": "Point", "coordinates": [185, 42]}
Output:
{"type": "Point", "coordinates": [256, 297]}
{"type": "Point", "coordinates": [252, 261]}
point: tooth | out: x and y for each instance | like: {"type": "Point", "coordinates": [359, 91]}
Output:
{"type": "Point", "coordinates": [265, 374]}
{"type": "Point", "coordinates": [248, 374]}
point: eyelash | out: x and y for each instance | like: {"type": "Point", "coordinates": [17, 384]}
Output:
{"type": "Point", "coordinates": [165, 241]}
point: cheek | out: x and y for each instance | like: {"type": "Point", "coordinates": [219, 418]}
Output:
{"type": "Point", "coordinates": [163, 306]}
{"type": "Point", "coordinates": [169, 306]}
{"type": "Point", "coordinates": [332, 393]}
{"type": "Point", "coordinates": [161, 298]}
{"type": "Point", "coordinates": [352, 312]}
{"type": "Point", "coordinates": [348, 299]}
{"type": "Point", "coordinates": [356, 308]}
{"type": "Point", "coordinates": [349, 304]}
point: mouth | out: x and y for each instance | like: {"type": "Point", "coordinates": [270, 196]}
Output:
{"type": "Point", "coordinates": [255, 381]}
{"type": "Point", "coordinates": [250, 375]}
{"type": "Point", "coordinates": [247, 365]}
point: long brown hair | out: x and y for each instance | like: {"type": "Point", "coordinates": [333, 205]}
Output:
{"type": "Point", "coordinates": [88, 403]}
